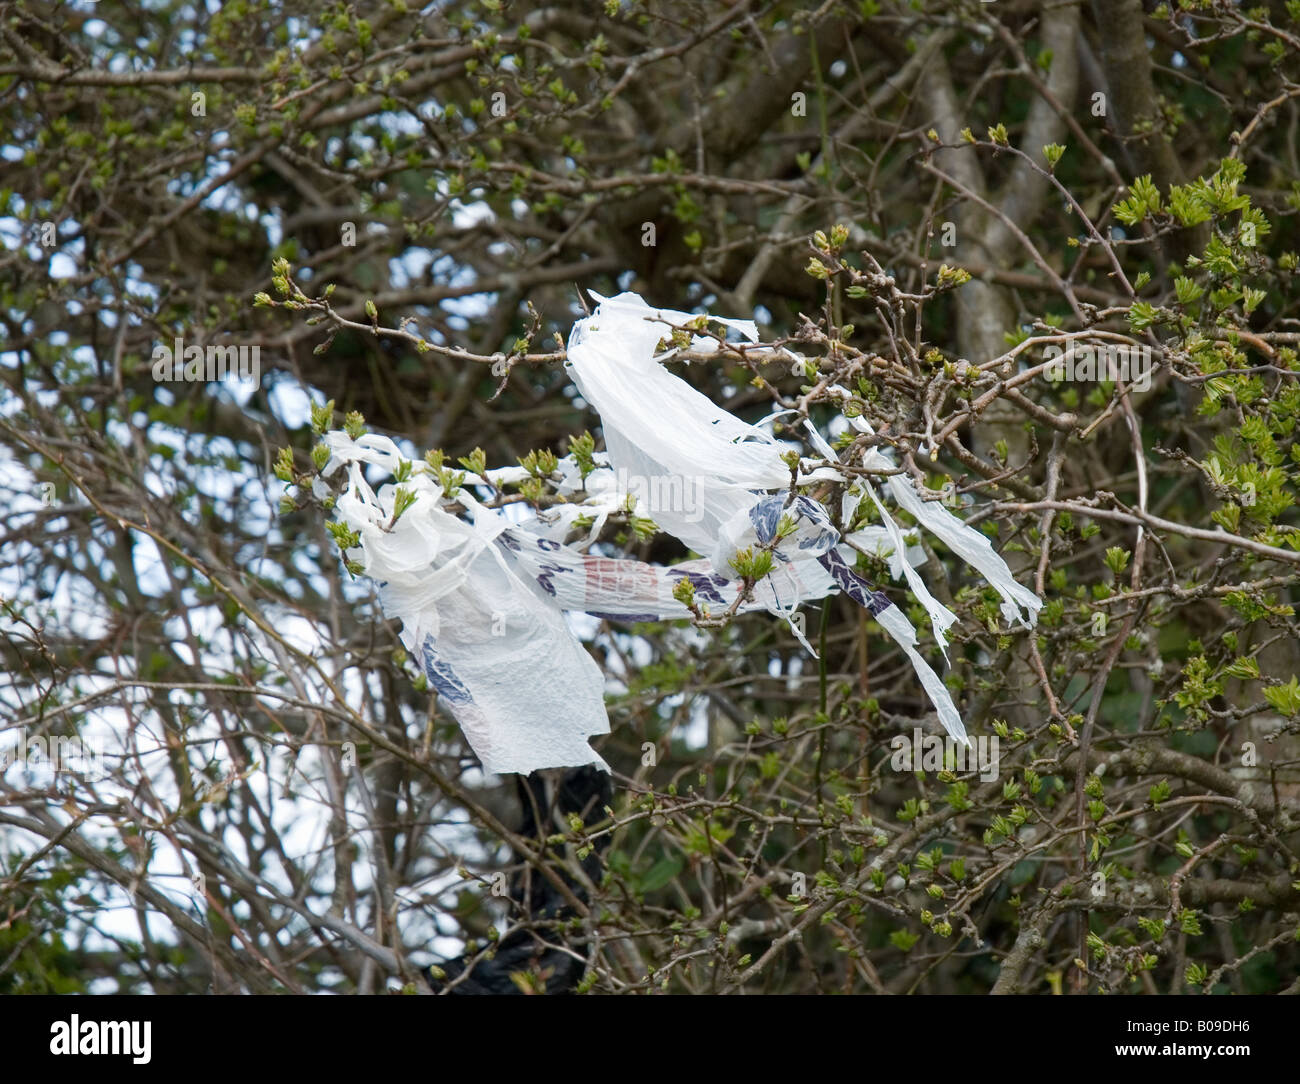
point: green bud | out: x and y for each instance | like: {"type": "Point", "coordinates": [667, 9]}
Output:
{"type": "Point", "coordinates": [322, 417]}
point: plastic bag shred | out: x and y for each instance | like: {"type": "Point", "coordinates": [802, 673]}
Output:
{"type": "Point", "coordinates": [482, 599]}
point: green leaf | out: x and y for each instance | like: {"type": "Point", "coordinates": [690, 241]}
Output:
{"type": "Point", "coordinates": [661, 873]}
{"type": "Point", "coordinates": [1285, 698]}
{"type": "Point", "coordinates": [904, 940]}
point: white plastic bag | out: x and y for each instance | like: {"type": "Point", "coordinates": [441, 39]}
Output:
{"type": "Point", "coordinates": [657, 426]}
{"type": "Point", "coordinates": [481, 603]}
{"type": "Point", "coordinates": [525, 692]}
{"type": "Point", "coordinates": [969, 544]}
{"type": "Point", "coordinates": [481, 599]}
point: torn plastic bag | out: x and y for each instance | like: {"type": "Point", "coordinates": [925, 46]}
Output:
{"type": "Point", "coordinates": [969, 544]}
{"type": "Point", "coordinates": [481, 605]}
{"type": "Point", "coordinates": [815, 538]}
{"type": "Point", "coordinates": [941, 618]}
{"type": "Point", "coordinates": [481, 598]}
{"type": "Point", "coordinates": [644, 408]}
{"type": "Point", "coordinates": [525, 692]}
{"type": "Point", "coordinates": [627, 590]}
{"type": "Point", "coordinates": [657, 425]}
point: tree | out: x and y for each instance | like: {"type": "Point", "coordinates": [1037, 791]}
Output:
{"type": "Point", "coordinates": [941, 206]}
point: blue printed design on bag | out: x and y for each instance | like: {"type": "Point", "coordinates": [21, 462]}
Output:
{"type": "Point", "coordinates": [706, 585]}
{"type": "Point", "coordinates": [853, 585]}
{"type": "Point", "coordinates": [544, 577]}
{"type": "Point", "coordinates": [825, 537]}
{"type": "Point", "coordinates": [817, 537]}
{"type": "Point", "coordinates": [442, 677]}
{"type": "Point", "coordinates": [765, 515]}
